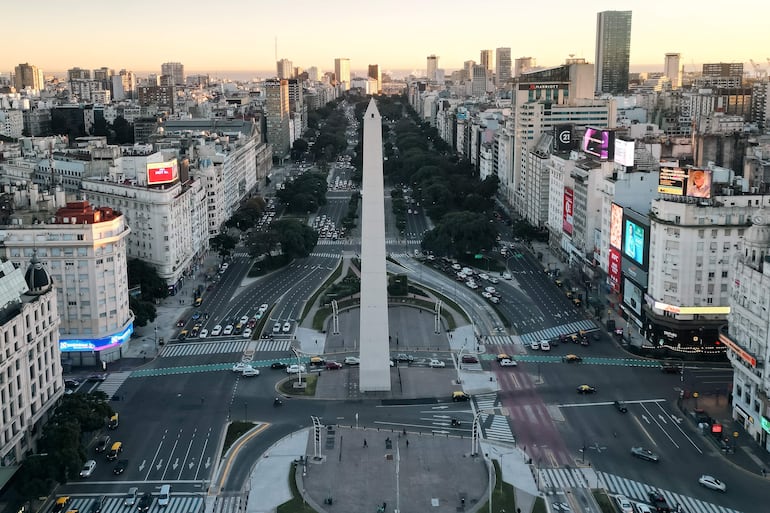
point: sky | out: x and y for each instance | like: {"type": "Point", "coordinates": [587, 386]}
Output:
{"type": "Point", "coordinates": [240, 35]}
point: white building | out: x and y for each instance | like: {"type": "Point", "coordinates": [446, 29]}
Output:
{"type": "Point", "coordinates": [84, 250]}
{"type": "Point", "coordinates": [30, 367]}
{"type": "Point", "coordinates": [11, 123]}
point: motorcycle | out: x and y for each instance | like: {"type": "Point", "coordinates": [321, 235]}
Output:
{"type": "Point", "coordinates": [277, 402]}
{"type": "Point", "coordinates": [456, 422]}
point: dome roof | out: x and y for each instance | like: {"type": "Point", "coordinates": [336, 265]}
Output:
{"type": "Point", "coordinates": [37, 277]}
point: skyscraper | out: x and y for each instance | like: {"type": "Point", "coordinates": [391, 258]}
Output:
{"type": "Point", "coordinates": [374, 72]}
{"type": "Point", "coordinates": [28, 75]}
{"type": "Point", "coordinates": [277, 115]}
{"type": "Point", "coordinates": [523, 65]}
{"type": "Point", "coordinates": [502, 66]}
{"type": "Point", "coordinates": [486, 59]}
{"type": "Point", "coordinates": [672, 70]}
{"type": "Point", "coordinates": [342, 71]}
{"type": "Point", "coordinates": [174, 70]}
{"type": "Point", "coordinates": [432, 66]}
{"type": "Point", "coordinates": [285, 68]}
{"type": "Point", "coordinates": [613, 49]}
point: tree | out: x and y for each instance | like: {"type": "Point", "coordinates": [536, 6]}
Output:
{"type": "Point", "coordinates": [297, 239]}
{"type": "Point", "coordinates": [305, 193]}
{"type": "Point", "coordinates": [223, 243]}
{"type": "Point", "coordinates": [124, 131]}
{"type": "Point", "coordinates": [144, 311]}
{"type": "Point", "coordinates": [298, 149]}
{"type": "Point", "coordinates": [460, 233]}
{"type": "Point", "coordinates": [143, 275]}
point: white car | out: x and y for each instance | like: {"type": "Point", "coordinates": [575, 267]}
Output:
{"type": "Point", "coordinates": [491, 290]}
{"type": "Point", "coordinates": [494, 300]}
{"type": "Point", "coordinates": [535, 344]}
{"type": "Point", "coordinates": [456, 267]}
{"type": "Point", "coordinates": [471, 284]}
{"type": "Point", "coordinates": [249, 371]}
{"type": "Point", "coordinates": [286, 327]}
{"type": "Point", "coordinates": [351, 360]}
{"type": "Point", "coordinates": [228, 330]}
{"type": "Point", "coordinates": [493, 280]}
{"type": "Point", "coordinates": [244, 319]}
{"type": "Point", "coordinates": [507, 275]}
{"type": "Point", "coordinates": [263, 307]}
{"type": "Point", "coordinates": [642, 508]}
{"type": "Point", "coordinates": [88, 468]}
{"type": "Point", "coordinates": [277, 327]}
{"type": "Point", "coordinates": [240, 367]}
{"type": "Point", "coordinates": [624, 504]}
{"type": "Point", "coordinates": [436, 364]}
{"type": "Point", "coordinates": [247, 333]}
{"type": "Point", "coordinates": [294, 369]}
{"type": "Point", "coordinates": [545, 345]}
{"type": "Point", "coordinates": [484, 276]}
{"type": "Point", "coordinates": [216, 331]}
{"type": "Point", "coordinates": [507, 362]}
{"type": "Point", "coordinates": [712, 483]}
{"type": "Point", "coordinates": [204, 333]}
{"type": "Point", "coordinates": [486, 295]}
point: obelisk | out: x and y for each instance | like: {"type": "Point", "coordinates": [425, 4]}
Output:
{"type": "Point", "coordinates": [374, 342]}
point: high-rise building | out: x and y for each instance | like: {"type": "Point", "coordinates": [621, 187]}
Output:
{"type": "Point", "coordinates": [721, 74]}
{"type": "Point", "coordinates": [342, 72]}
{"type": "Point", "coordinates": [285, 68]}
{"type": "Point", "coordinates": [478, 81]}
{"type": "Point", "coordinates": [502, 66]}
{"type": "Point", "coordinates": [312, 74]}
{"type": "Point", "coordinates": [28, 75]}
{"type": "Point", "coordinates": [374, 72]}
{"type": "Point", "coordinates": [175, 70]}
{"type": "Point", "coordinates": [672, 71]}
{"type": "Point", "coordinates": [432, 66]}
{"type": "Point", "coordinates": [78, 74]}
{"type": "Point", "coordinates": [523, 65]}
{"type": "Point", "coordinates": [277, 115]}
{"type": "Point", "coordinates": [486, 59]}
{"type": "Point", "coordinates": [468, 70]}
{"type": "Point", "coordinates": [613, 50]}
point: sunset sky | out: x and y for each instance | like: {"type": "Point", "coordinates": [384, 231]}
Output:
{"type": "Point", "coordinates": [239, 35]}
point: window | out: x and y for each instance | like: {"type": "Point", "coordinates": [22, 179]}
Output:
{"type": "Point", "coordinates": [724, 274]}
{"type": "Point", "coordinates": [701, 233]}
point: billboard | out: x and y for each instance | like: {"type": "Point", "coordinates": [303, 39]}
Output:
{"type": "Point", "coordinates": [562, 138]}
{"type": "Point", "coordinates": [96, 344]}
{"type": "Point", "coordinates": [672, 180]}
{"type": "Point", "coordinates": [568, 211]}
{"type": "Point", "coordinates": [624, 152]}
{"type": "Point", "coordinates": [635, 237]}
{"type": "Point", "coordinates": [616, 225]}
{"type": "Point", "coordinates": [695, 183]}
{"type": "Point", "coordinates": [632, 296]}
{"type": "Point", "coordinates": [613, 269]}
{"type": "Point", "coordinates": [698, 183]}
{"type": "Point", "coordinates": [599, 142]}
{"type": "Point", "coordinates": [162, 172]}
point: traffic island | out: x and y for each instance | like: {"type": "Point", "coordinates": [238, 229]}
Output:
{"type": "Point", "coordinates": [291, 387]}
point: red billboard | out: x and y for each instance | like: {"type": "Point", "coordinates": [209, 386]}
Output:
{"type": "Point", "coordinates": [162, 172]}
{"type": "Point", "coordinates": [569, 210]}
{"type": "Point", "coordinates": [613, 269]}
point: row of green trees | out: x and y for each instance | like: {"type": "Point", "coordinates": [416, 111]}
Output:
{"type": "Point", "coordinates": [304, 194]}
{"type": "Point", "coordinates": [295, 239]}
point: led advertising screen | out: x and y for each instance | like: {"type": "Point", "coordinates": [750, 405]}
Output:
{"type": "Point", "coordinates": [634, 237]}
{"type": "Point", "coordinates": [613, 269]}
{"type": "Point", "coordinates": [96, 344]}
{"type": "Point", "coordinates": [568, 212]}
{"type": "Point", "coordinates": [562, 138]}
{"type": "Point", "coordinates": [616, 225]}
{"type": "Point", "coordinates": [162, 172]}
{"type": "Point", "coordinates": [632, 296]}
{"type": "Point", "coordinates": [698, 183]}
{"type": "Point", "coordinates": [624, 152]}
{"type": "Point", "coordinates": [599, 142]}
{"type": "Point", "coordinates": [672, 180]}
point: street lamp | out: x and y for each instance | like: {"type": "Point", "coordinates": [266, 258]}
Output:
{"type": "Point", "coordinates": [156, 337]}
{"type": "Point", "coordinates": [299, 366]}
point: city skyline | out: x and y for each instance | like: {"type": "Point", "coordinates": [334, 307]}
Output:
{"type": "Point", "coordinates": [347, 32]}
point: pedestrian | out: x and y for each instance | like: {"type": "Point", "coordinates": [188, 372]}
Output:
{"type": "Point", "coordinates": [407, 444]}
{"type": "Point", "coordinates": [764, 472]}
{"type": "Point", "coordinates": [365, 444]}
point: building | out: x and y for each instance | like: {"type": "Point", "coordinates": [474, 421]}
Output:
{"type": "Point", "coordinates": [672, 70]}
{"type": "Point", "coordinates": [11, 123]}
{"type": "Point", "coordinates": [374, 72]}
{"type": "Point", "coordinates": [285, 69]}
{"type": "Point", "coordinates": [485, 59]}
{"type": "Point", "coordinates": [747, 334]}
{"type": "Point", "coordinates": [174, 70]}
{"type": "Point", "coordinates": [524, 65]}
{"type": "Point", "coordinates": [78, 74]}
{"type": "Point", "coordinates": [342, 72]}
{"type": "Point", "coordinates": [477, 85]}
{"type": "Point", "coordinates": [613, 49]}
{"type": "Point", "coordinates": [83, 248]}
{"type": "Point", "coordinates": [157, 98]}
{"type": "Point", "coordinates": [502, 66]}
{"type": "Point", "coordinates": [28, 75]}
{"type": "Point", "coordinates": [277, 115]}
{"type": "Point", "coordinates": [31, 365]}
{"type": "Point", "coordinates": [432, 67]}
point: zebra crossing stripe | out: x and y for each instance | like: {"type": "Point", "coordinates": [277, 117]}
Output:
{"type": "Point", "coordinates": [113, 382]}
{"type": "Point", "coordinates": [273, 345]}
{"type": "Point", "coordinates": [229, 346]}
{"type": "Point", "coordinates": [177, 504]}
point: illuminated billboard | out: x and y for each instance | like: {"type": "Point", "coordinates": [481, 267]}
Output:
{"type": "Point", "coordinates": [698, 183]}
{"type": "Point", "coordinates": [635, 237]}
{"type": "Point", "coordinates": [568, 211]}
{"type": "Point", "coordinates": [162, 172]}
{"type": "Point", "coordinates": [613, 269]}
{"type": "Point", "coordinates": [96, 344]}
{"type": "Point", "coordinates": [599, 142]}
{"type": "Point", "coordinates": [624, 152]}
{"type": "Point", "coordinates": [616, 225]}
{"type": "Point", "coordinates": [672, 180]}
{"type": "Point", "coordinates": [695, 183]}
{"type": "Point", "coordinates": [691, 310]}
{"type": "Point", "coordinates": [632, 296]}
{"type": "Point", "coordinates": [562, 138]}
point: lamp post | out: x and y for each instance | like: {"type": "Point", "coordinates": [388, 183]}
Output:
{"type": "Point", "coordinates": [156, 337]}
{"type": "Point", "coordinates": [299, 365]}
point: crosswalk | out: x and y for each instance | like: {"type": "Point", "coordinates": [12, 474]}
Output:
{"type": "Point", "coordinates": [635, 490]}
{"type": "Point", "coordinates": [201, 348]}
{"type": "Point", "coordinates": [325, 254]}
{"type": "Point", "coordinates": [227, 504]}
{"type": "Point", "coordinates": [113, 382]}
{"type": "Point", "coordinates": [272, 345]}
{"type": "Point", "coordinates": [240, 254]}
{"type": "Point", "coordinates": [177, 504]}
{"type": "Point", "coordinates": [555, 331]}
{"type": "Point", "coordinates": [497, 428]}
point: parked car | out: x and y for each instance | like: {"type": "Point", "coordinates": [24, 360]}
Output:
{"type": "Point", "coordinates": [88, 468]}
{"type": "Point", "coordinates": [644, 454]}
{"type": "Point", "coordinates": [712, 483]}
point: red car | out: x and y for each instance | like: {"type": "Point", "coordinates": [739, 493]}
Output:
{"type": "Point", "coordinates": [333, 365]}
{"type": "Point", "coordinates": [469, 358]}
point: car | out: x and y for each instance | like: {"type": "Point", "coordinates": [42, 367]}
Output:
{"type": "Point", "coordinates": [238, 329]}
{"type": "Point", "coordinates": [572, 358]}
{"type": "Point", "coordinates": [503, 356]}
{"type": "Point", "coordinates": [203, 333]}
{"type": "Point", "coordinates": [196, 316]}
{"type": "Point", "coordinates": [403, 357]}
{"type": "Point", "coordinates": [249, 371]}
{"type": "Point", "coordinates": [620, 406]}
{"type": "Point", "coordinates": [263, 308]}
{"type": "Point", "coordinates": [491, 290]}
{"type": "Point", "coordinates": [164, 495]}
{"type": "Point", "coordinates": [295, 369]}
{"type": "Point", "coordinates": [60, 504]}
{"type": "Point", "coordinates": [436, 364]}
{"type": "Point", "coordinates": [277, 327]}
{"type": "Point", "coordinates": [658, 502]}
{"type": "Point", "coordinates": [331, 365]}
{"type": "Point", "coordinates": [642, 508]}
{"type": "Point", "coordinates": [459, 395]}
{"type": "Point", "coordinates": [351, 360]}
{"type": "Point", "coordinates": [228, 330]}
{"type": "Point", "coordinates": [88, 468]}
{"type": "Point", "coordinates": [670, 367]}
{"type": "Point", "coordinates": [644, 454]}
{"type": "Point", "coordinates": [545, 345]}
{"type": "Point", "coordinates": [71, 383]}
{"type": "Point", "coordinates": [494, 299]}
{"type": "Point", "coordinates": [180, 323]}
{"type": "Point", "coordinates": [120, 467]}
{"type": "Point", "coordinates": [216, 330]}
{"type": "Point", "coordinates": [507, 362]}
{"type": "Point", "coordinates": [183, 334]}
{"type": "Point", "coordinates": [624, 505]}
{"type": "Point", "coordinates": [144, 503]}
{"type": "Point", "coordinates": [469, 358]}
{"type": "Point", "coordinates": [97, 377]}
{"type": "Point", "coordinates": [493, 280]}
{"type": "Point", "coordinates": [240, 367]}
{"type": "Point", "coordinates": [286, 327]}
{"type": "Point", "coordinates": [244, 319]}
{"type": "Point", "coordinates": [507, 276]}
{"type": "Point", "coordinates": [712, 483]}
{"type": "Point", "coordinates": [484, 276]}
{"type": "Point", "coordinates": [252, 322]}
{"type": "Point", "coordinates": [114, 421]}
{"type": "Point", "coordinates": [534, 345]}
{"type": "Point", "coordinates": [586, 389]}
{"type": "Point", "coordinates": [278, 365]}
{"type": "Point", "coordinates": [115, 450]}
{"type": "Point", "coordinates": [130, 498]}
{"type": "Point", "coordinates": [246, 333]}
{"type": "Point", "coordinates": [102, 443]}
{"type": "Point", "coordinates": [98, 505]}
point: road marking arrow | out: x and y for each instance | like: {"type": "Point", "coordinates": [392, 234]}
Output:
{"type": "Point", "coordinates": [160, 464]}
{"type": "Point", "coordinates": [441, 432]}
{"type": "Point", "coordinates": [439, 407]}
{"type": "Point", "coordinates": [442, 417]}
{"type": "Point", "coordinates": [191, 465]}
{"type": "Point", "coordinates": [208, 462]}
{"type": "Point", "coordinates": [444, 424]}
{"type": "Point", "coordinates": [646, 419]}
{"type": "Point", "coordinates": [676, 419]}
{"type": "Point", "coordinates": [141, 467]}
{"type": "Point", "coordinates": [176, 464]}
{"type": "Point", "coordinates": [662, 418]}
